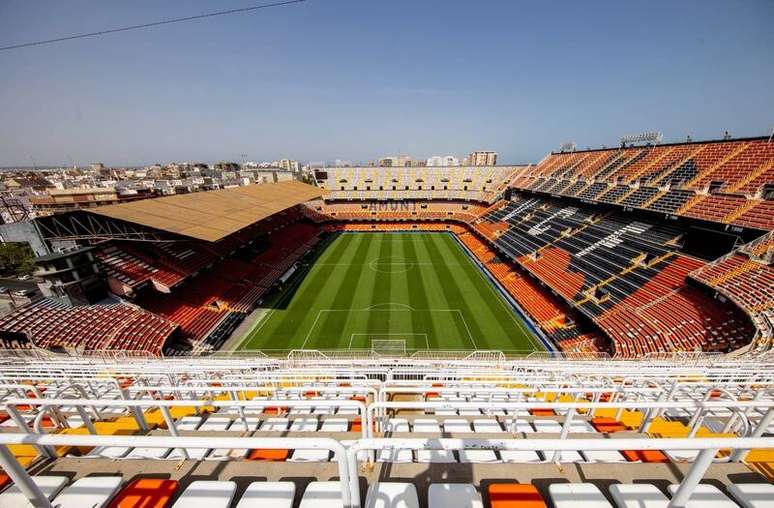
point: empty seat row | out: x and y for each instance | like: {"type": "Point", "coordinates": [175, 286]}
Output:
{"type": "Point", "coordinates": [106, 491]}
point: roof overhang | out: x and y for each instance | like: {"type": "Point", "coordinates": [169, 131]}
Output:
{"type": "Point", "coordinates": [212, 215]}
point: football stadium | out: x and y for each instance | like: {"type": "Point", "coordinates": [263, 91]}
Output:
{"type": "Point", "coordinates": [593, 329]}
{"type": "Point", "coordinates": [436, 254]}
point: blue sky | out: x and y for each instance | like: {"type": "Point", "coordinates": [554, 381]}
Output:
{"type": "Point", "coordinates": [350, 79]}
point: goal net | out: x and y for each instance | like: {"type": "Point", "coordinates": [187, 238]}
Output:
{"type": "Point", "coordinates": [389, 347]}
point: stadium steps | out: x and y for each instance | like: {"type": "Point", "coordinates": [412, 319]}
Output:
{"type": "Point", "coordinates": [703, 173]}
{"type": "Point", "coordinates": [613, 163]}
{"type": "Point", "coordinates": [647, 167]}
{"type": "Point", "coordinates": [625, 195]}
{"type": "Point", "coordinates": [679, 163]}
{"type": "Point", "coordinates": [753, 175]}
{"type": "Point", "coordinates": [569, 172]}
{"type": "Point", "coordinates": [747, 206]}
{"type": "Point", "coordinates": [745, 267]}
{"type": "Point", "coordinates": [653, 199]}
{"type": "Point", "coordinates": [695, 200]}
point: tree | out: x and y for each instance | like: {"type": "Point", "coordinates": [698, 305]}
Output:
{"type": "Point", "coordinates": [16, 259]}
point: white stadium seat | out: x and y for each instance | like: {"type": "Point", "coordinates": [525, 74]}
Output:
{"type": "Point", "coordinates": [581, 427]}
{"type": "Point", "coordinates": [91, 492]}
{"type": "Point", "coordinates": [304, 425]}
{"type": "Point", "coordinates": [322, 495]}
{"type": "Point", "coordinates": [397, 425]}
{"type": "Point", "coordinates": [483, 456]}
{"type": "Point", "coordinates": [214, 423]}
{"type": "Point", "coordinates": [458, 426]}
{"type": "Point", "coordinates": [638, 495]}
{"type": "Point", "coordinates": [520, 456]}
{"type": "Point", "coordinates": [49, 485]}
{"type": "Point", "coordinates": [575, 495]}
{"type": "Point", "coordinates": [268, 495]}
{"type": "Point", "coordinates": [549, 426]}
{"type": "Point", "coordinates": [391, 495]}
{"type": "Point", "coordinates": [706, 496]}
{"type": "Point", "coordinates": [148, 453]}
{"type": "Point", "coordinates": [603, 456]}
{"type": "Point", "coordinates": [753, 495]}
{"type": "Point", "coordinates": [310, 455]}
{"type": "Point", "coordinates": [188, 423]}
{"type": "Point", "coordinates": [207, 494]}
{"type": "Point", "coordinates": [335, 425]}
{"type": "Point", "coordinates": [488, 426]}
{"type": "Point", "coordinates": [521, 425]}
{"type": "Point", "coordinates": [426, 425]}
{"type": "Point", "coordinates": [453, 495]}
{"type": "Point", "coordinates": [108, 452]}
{"type": "Point", "coordinates": [238, 425]}
{"type": "Point", "coordinates": [274, 425]}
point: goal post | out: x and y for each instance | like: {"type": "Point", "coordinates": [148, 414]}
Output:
{"type": "Point", "coordinates": [389, 347]}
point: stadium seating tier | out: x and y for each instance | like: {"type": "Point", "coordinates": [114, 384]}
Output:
{"type": "Point", "coordinates": [716, 181]}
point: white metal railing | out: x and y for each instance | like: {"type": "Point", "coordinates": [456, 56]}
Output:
{"type": "Point", "coordinates": [135, 409]}
{"type": "Point", "coordinates": [20, 477]}
{"type": "Point", "coordinates": [741, 369]}
{"type": "Point", "coordinates": [375, 410]}
{"type": "Point", "coordinates": [257, 361]}
{"type": "Point", "coordinates": [707, 447]}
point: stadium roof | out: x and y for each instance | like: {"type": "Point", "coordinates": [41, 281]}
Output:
{"type": "Point", "coordinates": [212, 215]}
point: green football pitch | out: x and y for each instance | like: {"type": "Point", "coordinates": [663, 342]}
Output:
{"type": "Point", "coordinates": [416, 289]}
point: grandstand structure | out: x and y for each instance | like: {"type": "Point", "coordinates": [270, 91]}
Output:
{"type": "Point", "coordinates": [625, 252]}
{"type": "Point", "coordinates": [464, 183]}
{"type": "Point", "coordinates": [183, 271]}
{"type": "Point", "coordinates": [726, 181]}
{"type": "Point", "coordinates": [645, 270]}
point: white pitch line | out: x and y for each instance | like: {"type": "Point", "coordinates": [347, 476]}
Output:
{"type": "Point", "coordinates": [399, 334]}
{"type": "Point", "coordinates": [499, 297]}
{"type": "Point", "coordinates": [384, 263]}
{"type": "Point", "coordinates": [258, 326]}
{"type": "Point", "coordinates": [311, 329]}
{"type": "Point", "coordinates": [465, 322]}
{"type": "Point", "coordinates": [407, 309]}
{"type": "Point", "coordinates": [383, 306]}
{"type": "Point", "coordinates": [399, 263]}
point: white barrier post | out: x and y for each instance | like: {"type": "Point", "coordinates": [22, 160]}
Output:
{"type": "Point", "coordinates": [692, 478]}
{"type": "Point", "coordinates": [740, 454]}
{"type": "Point", "coordinates": [21, 479]}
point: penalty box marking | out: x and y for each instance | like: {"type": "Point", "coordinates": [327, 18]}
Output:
{"type": "Point", "coordinates": [393, 334]}
{"type": "Point", "coordinates": [399, 309]}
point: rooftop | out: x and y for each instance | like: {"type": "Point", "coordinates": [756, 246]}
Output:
{"type": "Point", "coordinates": [213, 215]}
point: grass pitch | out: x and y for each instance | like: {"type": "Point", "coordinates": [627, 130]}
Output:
{"type": "Point", "coordinates": [421, 288]}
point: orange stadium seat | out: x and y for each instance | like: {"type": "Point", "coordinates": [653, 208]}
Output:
{"type": "Point", "coordinates": [514, 495]}
{"type": "Point", "coordinates": [146, 493]}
